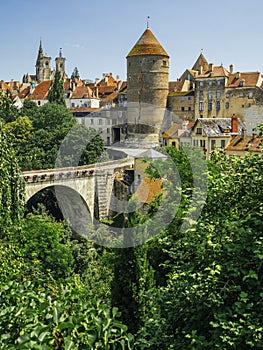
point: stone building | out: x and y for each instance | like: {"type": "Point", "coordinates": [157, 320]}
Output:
{"type": "Point", "coordinates": [147, 89]}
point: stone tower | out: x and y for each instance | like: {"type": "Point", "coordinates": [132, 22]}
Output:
{"type": "Point", "coordinates": [60, 63]}
{"type": "Point", "coordinates": [43, 71]}
{"type": "Point", "coordinates": [148, 87]}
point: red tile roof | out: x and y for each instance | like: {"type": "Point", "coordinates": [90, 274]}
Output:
{"type": "Point", "coordinates": [250, 79]}
{"type": "Point", "coordinates": [82, 92]}
{"type": "Point", "coordinates": [246, 143]}
{"type": "Point", "coordinates": [40, 91]}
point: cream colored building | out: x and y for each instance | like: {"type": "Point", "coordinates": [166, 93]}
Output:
{"type": "Point", "coordinates": [211, 133]}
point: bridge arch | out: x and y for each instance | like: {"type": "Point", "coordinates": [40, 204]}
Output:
{"type": "Point", "coordinates": [75, 199]}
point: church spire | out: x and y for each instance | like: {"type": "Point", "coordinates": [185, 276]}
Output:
{"type": "Point", "coordinates": [40, 50]}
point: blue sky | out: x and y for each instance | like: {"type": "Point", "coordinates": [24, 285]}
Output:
{"type": "Point", "coordinates": [96, 36]}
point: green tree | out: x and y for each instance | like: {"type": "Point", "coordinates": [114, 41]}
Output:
{"type": "Point", "coordinates": [81, 146]}
{"type": "Point", "coordinates": [213, 292]}
{"type": "Point", "coordinates": [8, 111]}
{"type": "Point", "coordinates": [11, 184]}
{"type": "Point", "coordinates": [56, 92]}
{"type": "Point", "coordinates": [75, 73]}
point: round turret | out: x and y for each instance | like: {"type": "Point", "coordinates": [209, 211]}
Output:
{"type": "Point", "coordinates": [148, 86]}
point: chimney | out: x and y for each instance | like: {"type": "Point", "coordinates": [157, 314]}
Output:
{"type": "Point", "coordinates": [234, 125]}
{"type": "Point", "coordinates": [231, 68]}
{"type": "Point", "coordinates": [211, 67]}
{"type": "Point", "coordinates": [243, 132]}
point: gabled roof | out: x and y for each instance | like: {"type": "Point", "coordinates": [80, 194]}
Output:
{"type": "Point", "coordinates": [169, 133]}
{"type": "Point", "coordinates": [82, 92]}
{"type": "Point", "coordinates": [24, 93]}
{"type": "Point", "coordinates": [215, 127]}
{"type": "Point", "coordinates": [250, 79]}
{"type": "Point", "coordinates": [40, 91]}
{"type": "Point", "coordinates": [245, 143]}
{"type": "Point", "coordinates": [147, 45]}
{"type": "Point", "coordinates": [200, 62]}
{"type": "Point", "coordinates": [217, 71]}
{"type": "Point", "coordinates": [107, 80]}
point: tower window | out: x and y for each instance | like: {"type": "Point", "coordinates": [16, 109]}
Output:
{"type": "Point", "coordinates": [164, 63]}
{"type": "Point", "coordinates": [46, 63]}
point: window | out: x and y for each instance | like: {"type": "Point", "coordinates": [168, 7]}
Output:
{"type": "Point", "coordinates": [100, 121]}
{"type": "Point", "coordinates": [201, 95]}
{"type": "Point", "coordinates": [72, 105]}
{"type": "Point", "coordinates": [108, 130]}
{"type": "Point", "coordinates": [213, 143]}
{"type": "Point", "coordinates": [241, 94]}
{"type": "Point", "coordinates": [201, 83]}
{"type": "Point", "coordinates": [210, 106]}
{"type": "Point", "coordinates": [227, 105]}
{"type": "Point", "coordinates": [108, 121]}
{"type": "Point", "coordinates": [249, 105]}
{"type": "Point", "coordinates": [108, 140]}
{"type": "Point", "coordinates": [182, 109]}
{"type": "Point", "coordinates": [218, 82]}
{"type": "Point", "coordinates": [218, 106]}
{"type": "Point", "coordinates": [199, 131]}
{"type": "Point", "coordinates": [181, 98]}
{"type": "Point", "coordinates": [91, 121]}
{"type": "Point", "coordinates": [243, 106]}
{"type": "Point", "coordinates": [195, 143]}
{"type": "Point", "coordinates": [223, 143]}
{"type": "Point", "coordinates": [201, 116]}
{"type": "Point", "coordinates": [218, 94]}
{"type": "Point", "coordinates": [202, 143]}
{"type": "Point", "coordinates": [250, 95]}
{"type": "Point", "coordinates": [210, 83]}
{"type": "Point", "coordinates": [210, 95]}
{"type": "Point", "coordinates": [189, 98]}
{"type": "Point", "coordinates": [164, 63]}
{"type": "Point", "coordinates": [200, 106]}
{"type": "Point", "coordinates": [189, 108]}
{"type": "Point", "coordinates": [38, 103]}
{"type": "Point", "coordinates": [227, 95]}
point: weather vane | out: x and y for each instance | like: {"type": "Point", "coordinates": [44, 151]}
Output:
{"type": "Point", "coordinates": [148, 22]}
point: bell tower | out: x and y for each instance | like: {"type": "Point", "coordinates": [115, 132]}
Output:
{"type": "Point", "coordinates": [43, 71]}
{"type": "Point", "coordinates": [60, 63]}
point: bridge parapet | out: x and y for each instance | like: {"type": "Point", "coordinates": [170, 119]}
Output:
{"type": "Point", "coordinates": [90, 181]}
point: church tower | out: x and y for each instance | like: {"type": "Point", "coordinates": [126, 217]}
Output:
{"type": "Point", "coordinates": [43, 71]}
{"type": "Point", "coordinates": [60, 63]}
{"type": "Point", "coordinates": [147, 89]}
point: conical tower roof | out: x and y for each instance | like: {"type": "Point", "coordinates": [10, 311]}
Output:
{"type": "Point", "coordinates": [147, 45]}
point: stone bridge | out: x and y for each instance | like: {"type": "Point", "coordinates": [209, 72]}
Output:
{"type": "Point", "coordinates": [92, 183]}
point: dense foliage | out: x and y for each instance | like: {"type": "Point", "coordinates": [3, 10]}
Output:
{"type": "Point", "coordinates": [195, 288]}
